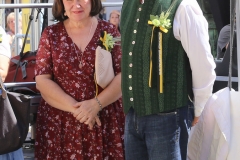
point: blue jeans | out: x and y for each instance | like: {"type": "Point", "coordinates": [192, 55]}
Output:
{"type": "Point", "coordinates": [15, 155]}
{"type": "Point", "coordinates": [162, 136]}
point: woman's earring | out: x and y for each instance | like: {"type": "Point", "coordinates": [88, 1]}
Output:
{"type": "Point", "coordinates": [65, 14]}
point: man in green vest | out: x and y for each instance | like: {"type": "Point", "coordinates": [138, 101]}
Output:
{"type": "Point", "coordinates": [166, 64]}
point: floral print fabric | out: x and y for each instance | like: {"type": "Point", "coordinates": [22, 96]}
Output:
{"type": "Point", "coordinates": [58, 134]}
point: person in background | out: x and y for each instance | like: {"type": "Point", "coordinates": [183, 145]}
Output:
{"type": "Point", "coordinates": [114, 18]}
{"type": "Point", "coordinates": [223, 41]}
{"type": "Point", "coordinates": [65, 66]}
{"type": "Point", "coordinates": [166, 64]}
{"type": "Point", "coordinates": [11, 31]}
{"type": "Point", "coordinates": [102, 15]}
{"type": "Point", "coordinates": [5, 55]}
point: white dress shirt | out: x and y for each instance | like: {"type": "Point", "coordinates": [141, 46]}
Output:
{"type": "Point", "coordinates": [191, 28]}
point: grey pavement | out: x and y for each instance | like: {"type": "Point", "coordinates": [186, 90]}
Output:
{"type": "Point", "coordinates": [28, 147]}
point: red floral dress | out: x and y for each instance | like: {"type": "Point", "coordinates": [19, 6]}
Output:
{"type": "Point", "coordinates": [59, 135]}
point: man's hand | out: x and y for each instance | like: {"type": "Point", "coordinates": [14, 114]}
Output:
{"type": "Point", "coordinates": [195, 121]}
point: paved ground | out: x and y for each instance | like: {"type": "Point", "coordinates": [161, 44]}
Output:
{"type": "Point", "coordinates": [28, 153]}
{"type": "Point", "coordinates": [28, 148]}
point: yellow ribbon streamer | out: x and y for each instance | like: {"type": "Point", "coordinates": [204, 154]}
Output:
{"type": "Point", "coordinates": [150, 69]}
{"type": "Point", "coordinates": [96, 84]}
{"type": "Point", "coordinates": [160, 63]}
{"type": "Point", "coordinates": [160, 58]}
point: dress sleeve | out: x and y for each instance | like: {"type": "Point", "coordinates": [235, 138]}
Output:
{"type": "Point", "coordinates": [44, 63]}
{"type": "Point", "coordinates": [116, 53]}
{"type": "Point", "coordinates": [191, 28]}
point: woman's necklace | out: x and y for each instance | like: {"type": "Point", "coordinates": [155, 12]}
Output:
{"type": "Point", "coordinates": [80, 61]}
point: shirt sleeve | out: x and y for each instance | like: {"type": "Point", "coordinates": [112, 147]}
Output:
{"type": "Point", "coordinates": [4, 45]}
{"type": "Point", "coordinates": [224, 38]}
{"type": "Point", "coordinates": [191, 28]}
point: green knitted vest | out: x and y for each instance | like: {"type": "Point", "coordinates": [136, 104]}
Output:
{"type": "Point", "coordinates": [136, 35]}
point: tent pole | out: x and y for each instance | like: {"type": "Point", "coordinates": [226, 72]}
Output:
{"type": "Point", "coordinates": [238, 38]}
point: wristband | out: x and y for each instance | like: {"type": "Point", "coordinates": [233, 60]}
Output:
{"type": "Point", "coordinates": [100, 105]}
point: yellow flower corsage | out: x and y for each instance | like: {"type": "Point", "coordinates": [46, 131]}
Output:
{"type": "Point", "coordinates": [107, 41]}
{"type": "Point", "coordinates": [163, 23]}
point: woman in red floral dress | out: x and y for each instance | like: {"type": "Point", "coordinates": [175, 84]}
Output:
{"type": "Point", "coordinates": [68, 126]}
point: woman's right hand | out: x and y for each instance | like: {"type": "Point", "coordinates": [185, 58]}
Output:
{"type": "Point", "coordinates": [92, 123]}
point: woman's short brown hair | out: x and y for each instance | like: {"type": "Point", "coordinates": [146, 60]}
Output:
{"type": "Point", "coordinates": [58, 9]}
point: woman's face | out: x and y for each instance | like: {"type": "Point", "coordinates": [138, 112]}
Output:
{"type": "Point", "coordinates": [77, 10]}
{"type": "Point", "coordinates": [11, 24]}
{"type": "Point", "coordinates": [114, 19]}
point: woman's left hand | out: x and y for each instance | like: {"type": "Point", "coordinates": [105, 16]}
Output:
{"type": "Point", "coordinates": [86, 111]}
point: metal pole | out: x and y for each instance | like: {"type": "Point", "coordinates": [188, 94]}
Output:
{"type": "Point", "coordinates": [232, 15]}
{"type": "Point", "coordinates": [2, 18]}
{"type": "Point", "coordinates": [49, 5]}
{"type": "Point", "coordinates": [16, 38]}
{"type": "Point", "coordinates": [32, 31]}
{"type": "Point", "coordinates": [238, 39]}
{"type": "Point", "coordinates": [20, 84]}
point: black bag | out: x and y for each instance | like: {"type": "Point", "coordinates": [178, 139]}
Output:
{"type": "Point", "coordinates": [14, 119]}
